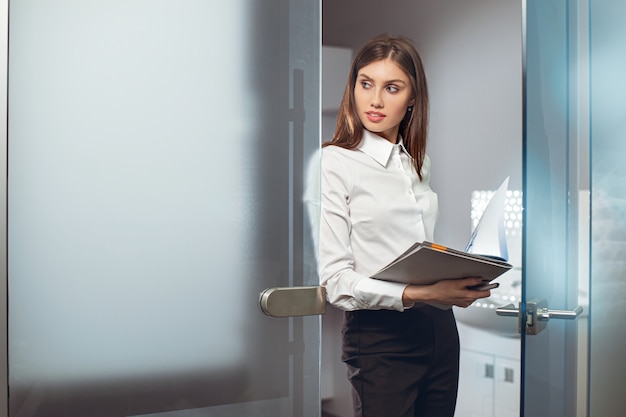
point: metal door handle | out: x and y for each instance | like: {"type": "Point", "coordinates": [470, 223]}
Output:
{"type": "Point", "coordinates": [293, 301]}
{"type": "Point", "coordinates": [546, 314]}
{"type": "Point", "coordinates": [508, 310]}
{"type": "Point", "coordinates": [538, 314]}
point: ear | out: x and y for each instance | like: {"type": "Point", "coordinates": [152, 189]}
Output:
{"type": "Point", "coordinates": [412, 101]}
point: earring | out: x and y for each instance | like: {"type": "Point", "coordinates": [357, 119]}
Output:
{"type": "Point", "coordinates": [410, 108]}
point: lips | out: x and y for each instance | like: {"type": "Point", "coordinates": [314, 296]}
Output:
{"type": "Point", "coordinates": [375, 116]}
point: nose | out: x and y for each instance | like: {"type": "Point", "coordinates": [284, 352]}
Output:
{"type": "Point", "coordinates": [377, 99]}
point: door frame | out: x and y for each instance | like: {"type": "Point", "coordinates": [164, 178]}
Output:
{"type": "Point", "coordinates": [4, 61]}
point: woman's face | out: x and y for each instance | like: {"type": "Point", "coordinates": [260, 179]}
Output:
{"type": "Point", "coordinates": [382, 94]}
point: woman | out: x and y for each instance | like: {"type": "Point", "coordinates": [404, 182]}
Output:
{"type": "Point", "coordinates": [402, 354]}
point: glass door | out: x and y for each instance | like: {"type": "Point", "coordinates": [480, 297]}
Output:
{"type": "Point", "coordinates": [156, 158]}
{"type": "Point", "coordinates": [555, 189]}
{"type": "Point", "coordinates": [575, 232]}
{"type": "Point", "coordinates": [574, 279]}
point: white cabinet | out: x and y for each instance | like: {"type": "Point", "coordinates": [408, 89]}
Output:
{"type": "Point", "coordinates": [489, 375]}
{"type": "Point", "coordinates": [488, 386]}
{"type": "Point", "coordinates": [506, 387]}
{"type": "Point", "coordinates": [476, 387]}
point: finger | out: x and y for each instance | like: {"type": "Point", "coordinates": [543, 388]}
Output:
{"type": "Point", "coordinates": [476, 280]}
{"type": "Point", "coordinates": [481, 294]}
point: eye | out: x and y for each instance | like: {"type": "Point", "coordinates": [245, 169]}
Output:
{"type": "Point", "coordinates": [392, 89]}
{"type": "Point", "coordinates": [366, 85]}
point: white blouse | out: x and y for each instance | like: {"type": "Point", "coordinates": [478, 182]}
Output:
{"type": "Point", "coordinates": [373, 207]}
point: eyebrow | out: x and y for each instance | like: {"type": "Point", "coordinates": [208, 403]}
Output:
{"type": "Point", "coordinates": [367, 77]}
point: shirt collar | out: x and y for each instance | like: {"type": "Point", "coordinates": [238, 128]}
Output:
{"type": "Point", "coordinates": [379, 149]}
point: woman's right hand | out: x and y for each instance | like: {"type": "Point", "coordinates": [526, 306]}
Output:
{"type": "Point", "coordinates": [448, 291]}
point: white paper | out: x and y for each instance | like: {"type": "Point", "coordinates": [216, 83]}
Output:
{"type": "Point", "coordinates": [489, 237]}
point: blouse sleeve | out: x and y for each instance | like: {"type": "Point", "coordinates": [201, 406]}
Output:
{"type": "Point", "coordinates": [345, 288]}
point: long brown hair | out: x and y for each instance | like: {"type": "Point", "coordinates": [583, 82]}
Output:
{"type": "Point", "coordinates": [414, 126]}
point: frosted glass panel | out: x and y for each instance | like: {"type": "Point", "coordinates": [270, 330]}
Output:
{"type": "Point", "coordinates": [155, 188]}
{"type": "Point", "coordinates": [608, 208]}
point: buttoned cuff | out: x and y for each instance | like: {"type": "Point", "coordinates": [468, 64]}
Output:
{"type": "Point", "coordinates": [375, 294]}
